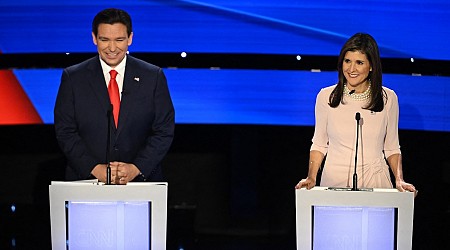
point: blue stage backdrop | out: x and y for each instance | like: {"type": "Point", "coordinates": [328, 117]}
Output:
{"type": "Point", "coordinates": [266, 97]}
{"type": "Point", "coordinates": [403, 29]}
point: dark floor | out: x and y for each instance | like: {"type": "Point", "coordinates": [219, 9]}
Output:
{"type": "Point", "coordinates": [25, 227]}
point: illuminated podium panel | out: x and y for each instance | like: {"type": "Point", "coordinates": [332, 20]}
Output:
{"type": "Point", "coordinates": [91, 215]}
{"type": "Point", "coordinates": [341, 219]}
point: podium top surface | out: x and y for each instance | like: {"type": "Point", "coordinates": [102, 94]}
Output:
{"type": "Point", "coordinates": [95, 182]}
{"type": "Point", "coordinates": [375, 197]}
{"type": "Point", "coordinates": [319, 188]}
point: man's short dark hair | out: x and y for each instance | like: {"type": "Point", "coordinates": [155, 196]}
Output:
{"type": "Point", "coordinates": [112, 16]}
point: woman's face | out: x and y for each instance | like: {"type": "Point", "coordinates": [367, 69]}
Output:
{"type": "Point", "coordinates": [356, 68]}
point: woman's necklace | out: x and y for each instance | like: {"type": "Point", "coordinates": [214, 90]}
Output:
{"type": "Point", "coordinates": [359, 97]}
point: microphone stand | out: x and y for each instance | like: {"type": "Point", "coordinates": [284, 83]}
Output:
{"type": "Point", "coordinates": [355, 176]}
{"type": "Point", "coordinates": [108, 143]}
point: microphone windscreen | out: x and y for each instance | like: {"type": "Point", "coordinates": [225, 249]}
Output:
{"type": "Point", "coordinates": [357, 116]}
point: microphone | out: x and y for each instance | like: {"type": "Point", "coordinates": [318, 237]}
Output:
{"type": "Point", "coordinates": [351, 93]}
{"type": "Point", "coordinates": [355, 176]}
{"type": "Point", "coordinates": [108, 144]}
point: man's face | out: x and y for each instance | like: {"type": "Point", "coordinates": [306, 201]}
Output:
{"type": "Point", "coordinates": [112, 42]}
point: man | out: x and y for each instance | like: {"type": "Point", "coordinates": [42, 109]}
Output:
{"type": "Point", "coordinates": [141, 125]}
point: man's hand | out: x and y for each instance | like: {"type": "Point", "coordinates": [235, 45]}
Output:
{"type": "Point", "coordinates": [99, 172]}
{"type": "Point", "coordinates": [122, 173]}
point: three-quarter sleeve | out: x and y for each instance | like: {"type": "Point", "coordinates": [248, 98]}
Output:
{"type": "Point", "coordinates": [320, 138]}
{"type": "Point", "coordinates": [391, 142]}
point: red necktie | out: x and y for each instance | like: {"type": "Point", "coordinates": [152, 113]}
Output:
{"type": "Point", "coordinates": [113, 90]}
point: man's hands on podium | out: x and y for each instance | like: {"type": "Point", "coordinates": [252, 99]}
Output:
{"type": "Point", "coordinates": [121, 172]}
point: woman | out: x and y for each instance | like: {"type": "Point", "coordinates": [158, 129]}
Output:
{"type": "Point", "coordinates": [359, 90]}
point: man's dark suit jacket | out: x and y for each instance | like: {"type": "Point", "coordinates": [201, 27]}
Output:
{"type": "Point", "coordinates": [146, 120]}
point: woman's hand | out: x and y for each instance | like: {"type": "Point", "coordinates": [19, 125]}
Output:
{"type": "Point", "coordinates": [403, 186]}
{"type": "Point", "coordinates": [308, 183]}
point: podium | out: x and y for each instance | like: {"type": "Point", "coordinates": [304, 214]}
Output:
{"type": "Point", "coordinates": [91, 215]}
{"type": "Point", "coordinates": [328, 218]}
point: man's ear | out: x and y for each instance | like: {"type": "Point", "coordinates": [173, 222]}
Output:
{"type": "Point", "coordinates": [130, 39]}
{"type": "Point", "coordinates": [94, 38]}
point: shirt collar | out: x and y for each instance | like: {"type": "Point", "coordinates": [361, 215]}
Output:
{"type": "Point", "coordinates": [120, 68]}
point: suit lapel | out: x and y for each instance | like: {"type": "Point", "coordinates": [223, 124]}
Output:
{"type": "Point", "coordinates": [131, 86]}
{"type": "Point", "coordinates": [98, 83]}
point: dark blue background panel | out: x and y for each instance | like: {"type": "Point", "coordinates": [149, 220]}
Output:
{"type": "Point", "coordinates": [263, 97]}
{"type": "Point", "coordinates": [402, 28]}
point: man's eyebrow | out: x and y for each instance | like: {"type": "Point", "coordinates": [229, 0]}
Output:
{"type": "Point", "coordinates": [103, 38]}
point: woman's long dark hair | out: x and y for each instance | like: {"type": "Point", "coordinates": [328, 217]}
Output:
{"type": "Point", "coordinates": [367, 45]}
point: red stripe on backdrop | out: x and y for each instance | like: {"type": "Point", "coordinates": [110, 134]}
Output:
{"type": "Point", "coordinates": [15, 106]}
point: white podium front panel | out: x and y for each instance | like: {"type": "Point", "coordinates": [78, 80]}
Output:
{"type": "Point", "coordinates": [90, 215]}
{"type": "Point", "coordinates": [366, 228]}
{"type": "Point", "coordinates": [330, 219]}
{"type": "Point", "coordinates": [108, 225]}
